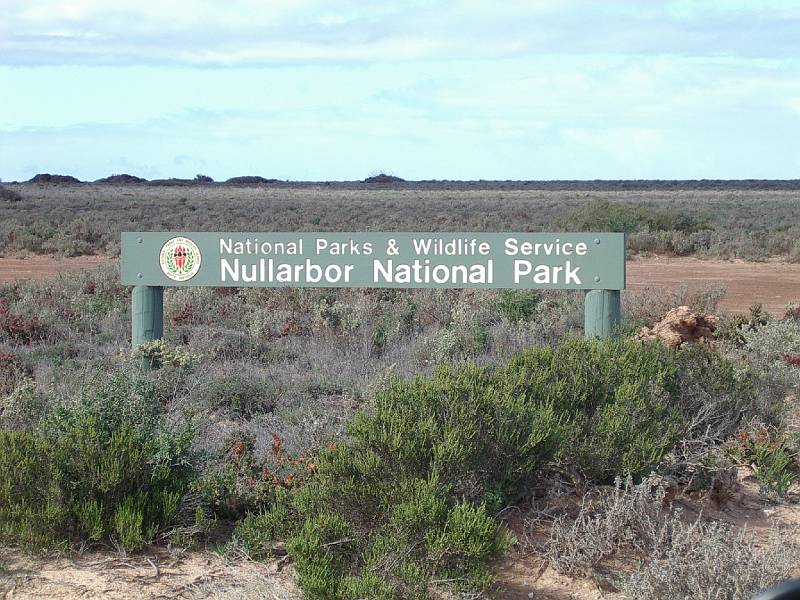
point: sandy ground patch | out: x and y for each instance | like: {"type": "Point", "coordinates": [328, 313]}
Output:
{"type": "Point", "coordinates": [154, 575]}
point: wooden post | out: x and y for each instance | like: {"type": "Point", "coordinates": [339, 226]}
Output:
{"type": "Point", "coordinates": [602, 313]}
{"type": "Point", "coordinates": [147, 314]}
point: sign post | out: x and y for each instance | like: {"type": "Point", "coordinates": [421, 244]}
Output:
{"type": "Point", "coordinates": [594, 262]}
{"type": "Point", "coordinates": [602, 313]}
{"type": "Point", "coordinates": [147, 314]}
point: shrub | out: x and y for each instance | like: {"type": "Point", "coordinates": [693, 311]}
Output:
{"type": "Point", "coordinates": [465, 338]}
{"type": "Point", "coordinates": [466, 426]}
{"type": "Point", "coordinates": [733, 328]}
{"type": "Point", "coordinates": [717, 394]}
{"type": "Point", "coordinates": [404, 501]}
{"type": "Point", "coordinates": [408, 497]}
{"type": "Point", "coordinates": [242, 393]}
{"type": "Point", "coordinates": [421, 536]}
{"type": "Point", "coordinates": [715, 562]}
{"type": "Point", "coordinates": [257, 532]}
{"type": "Point", "coordinates": [102, 468]}
{"type": "Point", "coordinates": [9, 195]}
{"type": "Point", "coordinates": [32, 237]}
{"type": "Point", "coordinates": [23, 406]}
{"type": "Point", "coordinates": [769, 456]}
{"type": "Point", "coordinates": [617, 401]}
{"type": "Point", "coordinates": [678, 559]}
{"type": "Point", "coordinates": [20, 328]}
{"type": "Point", "coordinates": [768, 347]}
{"type": "Point", "coordinates": [241, 483]}
{"type": "Point", "coordinates": [159, 353]}
{"type": "Point", "coordinates": [604, 215]}
{"type": "Point", "coordinates": [629, 517]}
{"type": "Point", "coordinates": [11, 371]}
{"type": "Point", "coordinates": [518, 305]}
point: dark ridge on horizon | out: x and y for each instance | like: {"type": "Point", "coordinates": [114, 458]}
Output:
{"type": "Point", "coordinates": [384, 181]}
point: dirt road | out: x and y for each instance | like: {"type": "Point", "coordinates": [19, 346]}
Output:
{"type": "Point", "coordinates": [774, 284]}
{"type": "Point", "coordinates": [41, 267]}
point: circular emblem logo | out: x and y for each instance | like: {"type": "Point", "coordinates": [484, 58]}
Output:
{"type": "Point", "coordinates": [180, 259]}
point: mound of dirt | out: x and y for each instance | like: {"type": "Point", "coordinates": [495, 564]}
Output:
{"type": "Point", "coordinates": [680, 326]}
{"type": "Point", "coordinates": [121, 179]}
{"type": "Point", "coordinates": [49, 178]}
{"type": "Point", "coordinates": [250, 180]}
{"type": "Point", "coordinates": [384, 178]}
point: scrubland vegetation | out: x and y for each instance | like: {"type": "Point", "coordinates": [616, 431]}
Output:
{"type": "Point", "coordinates": [380, 439]}
{"type": "Point", "coordinates": [74, 219]}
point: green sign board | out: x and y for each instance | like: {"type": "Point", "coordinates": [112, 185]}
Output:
{"type": "Point", "coordinates": [375, 259]}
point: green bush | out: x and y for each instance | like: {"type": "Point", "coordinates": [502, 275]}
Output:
{"type": "Point", "coordinates": [404, 502]}
{"type": "Point", "coordinates": [605, 215]}
{"type": "Point", "coordinates": [518, 305]}
{"type": "Point", "coordinates": [32, 507]}
{"type": "Point", "coordinates": [407, 499]}
{"type": "Point", "coordinates": [103, 468]}
{"type": "Point", "coordinates": [768, 453]}
{"type": "Point", "coordinates": [33, 237]}
{"type": "Point", "coordinates": [617, 402]}
{"type": "Point", "coordinates": [159, 353]}
{"type": "Point", "coordinates": [464, 338]}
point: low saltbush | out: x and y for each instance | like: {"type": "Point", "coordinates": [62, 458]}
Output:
{"type": "Point", "coordinates": [241, 483]}
{"type": "Point", "coordinates": [677, 557]}
{"type": "Point", "coordinates": [713, 561]}
{"type": "Point", "coordinates": [773, 349]}
{"type": "Point", "coordinates": [630, 517]}
{"type": "Point", "coordinates": [769, 455]}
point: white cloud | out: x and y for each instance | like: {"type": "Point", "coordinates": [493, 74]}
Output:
{"type": "Point", "coordinates": [209, 32]}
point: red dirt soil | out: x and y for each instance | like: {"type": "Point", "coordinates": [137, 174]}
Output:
{"type": "Point", "coordinates": [42, 267]}
{"type": "Point", "coordinates": [773, 284]}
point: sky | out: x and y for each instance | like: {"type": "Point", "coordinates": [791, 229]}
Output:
{"type": "Point", "coordinates": [423, 89]}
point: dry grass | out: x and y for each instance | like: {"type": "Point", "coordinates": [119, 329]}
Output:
{"type": "Point", "coordinates": [638, 540]}
{"type": "Point", "coordinates": [88, 218]}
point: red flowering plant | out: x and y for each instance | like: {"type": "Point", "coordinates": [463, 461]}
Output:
{"type": "Point", "coordinates": [18, 328]}
{"type": "Point", "coordinates": [769, 454]}
{"type": "Point", "coordinates": [244, 481]}
{"type": "Point", "coordinates": [793, 360]}
{"type": "Point", "coordinates": [185, 316]}
{"type": "Point", "coordinates": [11, 370]}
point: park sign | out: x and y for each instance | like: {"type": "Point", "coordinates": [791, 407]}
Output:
{"type": "Point", "coordinates": [594, 262]}
{"type": "Point", "coordinates": [375, 260]}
